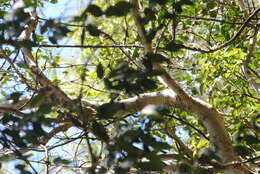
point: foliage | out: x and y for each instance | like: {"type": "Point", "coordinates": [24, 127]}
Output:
{"type": "Point", "coordinates": [91, 102]}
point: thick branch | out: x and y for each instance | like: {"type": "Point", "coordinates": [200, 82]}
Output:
{"type": "Point", "coordinates": [44, 81]}
{"type": "Point", "coordinates": [205, 112]}
{"type": "Point", "coordinates": [165, 78]}
{"type": "Point", "coordinates": [38, 74]}
{"type": "Point", "coordinates": [11, 110]}
{"type": "Point", "coordinates": [137, 103]}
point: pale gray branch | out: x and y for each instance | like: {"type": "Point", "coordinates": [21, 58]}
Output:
{"type": "Point", "coordinates": [247, 60]}
{"type": "Point", "coordinates": [209, 116]}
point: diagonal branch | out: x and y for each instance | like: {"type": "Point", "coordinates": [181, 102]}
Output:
{"type": "Point", "coordinates": [190, 125]}
{"type": "Point", "coordinates": [247, 60]}
{"type": "Point", "coordinates": [11, 110]}
{"type": "Point", "coordinates": [36, 71]}
{"type": "Point", "coordinates": [44, 81]}
{"type": "Point", "coordinates": [229, 42]}
{"type": "Point", "coordinates": [45, 139]}
{"type": "Point", "coordinates": [208, 115]}
{"type": "Point", "coordinates": [11, 63]}
{"type": "Point", "coordinates": [171, 132]}
{"type": "Point", "coordinates": [241, 29]}
{"type": "Point", "coordinates": [165, 77]}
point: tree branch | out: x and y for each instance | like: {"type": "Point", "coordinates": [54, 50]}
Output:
{"type": "Point", "coordinates": [247, 60]}
{"type": "Point", "coordinates": [36, 71]}
{"type": "Point", "coordinates": [241, 29]}
{"type": "Point", "coordinates": [86, 46]}
{"type": "Point", "coordinates": [165, 77]}
{"type": "Point", "coordinates": [11, 110]}
{"type": "Point", "coordinates": [171, 133]}
{"type": "Point", "coordinates": [45, 139]}
{"type": "Point", "coordinates": [209, 19]}
{"type": "Point", "coordinates": [44, 81]}
{"type": "Point", "coordinates": [209, 116]}
{"type": "Point", "coordinates": [190, 125]}
{"type": "Point", "coordinates": [137, 103]}
{"type": "Point", "coordinates": [11, 63]}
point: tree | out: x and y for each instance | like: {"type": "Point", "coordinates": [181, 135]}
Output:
{"type": "Point", "coordinates": [159, 86]}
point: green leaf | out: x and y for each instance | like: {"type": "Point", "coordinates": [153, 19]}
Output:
{"type": "Point", "coordinates": [93, 30]}
{"type": "Point", "coordinates": [243, 150]}
{"type": "Point", "coordinates": [22, 65]}
{"type": "Point", "coordinates": [20, 166]}
{"type": "Point", "coordinates": [135, 53]}
{"type": "Point", "coordinates": [15, 96]}
{"type": "Point", "coordinates": [53, 40]}
{"type": "Point", "coordinates": [250, 139]}
{"type": "Point", "coordinates": [2, 14]}
{"type": "Point", "coordinates": [64, 30]}
{"type": "Point", "coordinates": [149, 14]}
{"type": "Point", "coordinates": [172, 46]}
{"type": "Point", "coordinates": [107, 110]}
{"type": "Point", "coordinates": [156, 57]}
{"type": "Point", "coordinates": [19, 142]}
{"type": "Point", "coordinates": [120, 9]}
{"type": "Point", "coordinates": [154, 164]}
{"type": "Point", "coordinates": [158, 146]}
{"type": "Point", "coordinates": [100, 131]}
{"type": "Point", "coordinates": [202, 143]}
{"type": "Point", "coordinates": [36, 99]}
{"type": "Point", "coordinates": [54, 1]}
{"type": "Point", "coordinates": [95, 10]}
{"type": "Point", "coordinates": [148, 84]}
{"type": "Point", "coordinates": [161, 2]}
{"type": "Point", "coordinates": [27, 43]}
{"type": "Point", "coordinates": [185, 168]}
{"type": "Point", "coordinates": [100, 71]}
{"type": "Point", "coordinates": [59, 160]}
{"type": "Point", "coordinates": [45, 108]}
{"type": "Point", "coordinates": [148, 64]}
{"type": "Point", "coordinates": [256, 122]}
{"type": "Point", "coordinates": [187, 2]}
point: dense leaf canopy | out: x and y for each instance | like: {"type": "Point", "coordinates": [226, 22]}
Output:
{"type": "Point", "coordinates": [148, 86]}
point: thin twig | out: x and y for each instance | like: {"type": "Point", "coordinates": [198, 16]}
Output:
{"type": "Point", "coordinates": [188, 124]}
{"type": "Point", "coordinates": [209, 19]}
{"type": "Point", "coordinates": [87, 46]}
{"type": "Point", "coordinates": [246, 69]}
{"type": "Point", "coordinates": [47, 161]}
{"type": "Point", "coordinates": [91, 153]}
{"type": "Point", "coordinates": [19, 154]}
{"type": "Point", "coordinates": [24, 80]}
{"type": "Point", "coordinates": [171, 132]}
